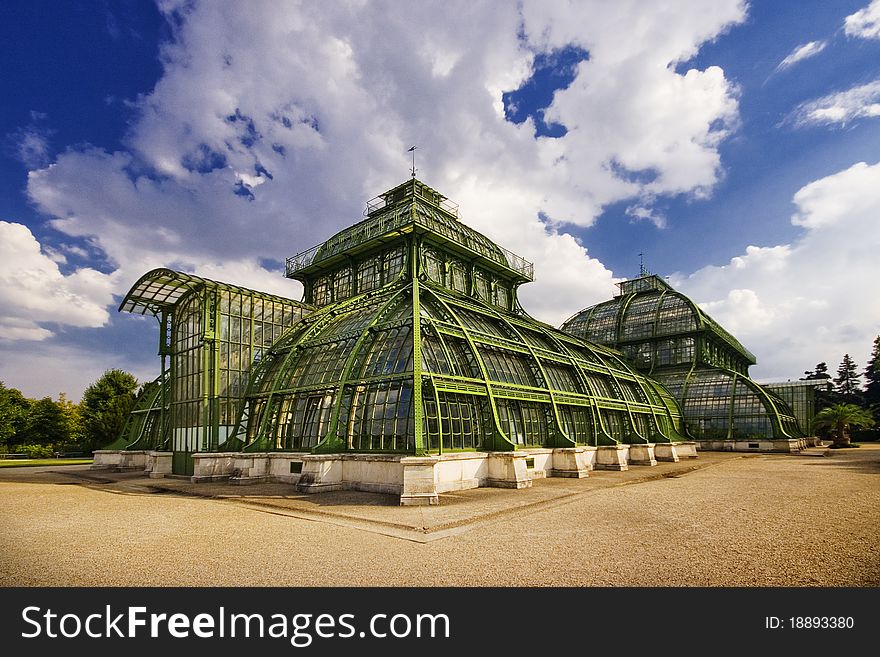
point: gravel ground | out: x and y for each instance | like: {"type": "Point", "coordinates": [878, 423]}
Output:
{"type": "Point", "coordinates": [774, 520]}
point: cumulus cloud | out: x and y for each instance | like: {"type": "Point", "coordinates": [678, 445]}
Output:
{"type": "Point", "coordinates": [801, 53]}
{"type": "Point", "coordinates": [796, 304]}
{"type": "Point", "coordinates": [839, 108]}
{"type": "Point", "coordinates": [272, 124]}
{"type": "Point", "coordinates": [865, 23]}
{"type": "Point", "coordinates": [33, 290]}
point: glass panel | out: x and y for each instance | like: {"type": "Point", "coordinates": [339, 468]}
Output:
{"type": "Point", "coordinates": [460, 418]}
{"type": "Point", "coordinates": [507, 366]}
{"type": "Point", "coordinates": [381, 417]}
{"type": "Point", "coordinates": [638, 321]}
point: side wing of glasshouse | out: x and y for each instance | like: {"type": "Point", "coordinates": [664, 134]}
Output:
{"type": "Point", "coordinates": [667, 336]}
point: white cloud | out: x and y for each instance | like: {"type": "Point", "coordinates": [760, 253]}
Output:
{"type": "Point", "coordinates": [865, 23]}
{"type": "Point", "coordinates": [645, 212]}
{"type": "Point", "coordinates": [334, 106]}
{"type": "Point", "coordinates": [308, 110]}
{"type": "Point", "coordinates": [801, 53]}
{"type": "Point", "coordinates": [839, 108]}
{"type": "Point", "coordinates": [797, 304]}
{"type": "Point", "coordinates": [31, 145]}
{"type": "Point", "coordinates": [33, 291]}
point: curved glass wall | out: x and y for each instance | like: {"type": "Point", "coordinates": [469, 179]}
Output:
{"type": "Point", "coordinates": [345, 377]}
{"type": "Point", "coordinates": [663, 333]}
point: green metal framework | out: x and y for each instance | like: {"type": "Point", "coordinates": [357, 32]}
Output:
{"type": "Point", "coordinates": [145, 427]}
{"type": "Point", "coordinates": [801, 397]}
{"type": "Point", "coordinates": [665, 334]}
{"type": "Point", "coordinates": [419, 345]}
{"type": "Point", "coordinates": [211, 333]}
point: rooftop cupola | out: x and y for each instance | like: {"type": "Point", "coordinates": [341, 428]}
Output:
{"type": "Point", "coordinates": [410, 228]}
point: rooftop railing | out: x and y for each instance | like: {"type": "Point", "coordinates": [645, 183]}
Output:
{"type": "Point", "coordinates": [385, 223]}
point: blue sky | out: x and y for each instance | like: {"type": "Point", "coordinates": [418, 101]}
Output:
{"type": "Point", "coordinates": [735, 144]}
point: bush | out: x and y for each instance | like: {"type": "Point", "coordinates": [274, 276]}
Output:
{"type": "Point", "coordinates": [843, 445]}
{"type": "Point", "coordinates": [36, 451]}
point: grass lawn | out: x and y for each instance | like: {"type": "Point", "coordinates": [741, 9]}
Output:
{"type": "Point", "coordinates": [23, 463]}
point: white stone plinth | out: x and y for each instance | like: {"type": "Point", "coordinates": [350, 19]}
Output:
{"type": "Point", "coordinates": [508, 470]}
{"type": "Point", "coordinates": [612, 457]}
{"type": "Point", "coordinates": [158, 464]}
{"type": "Point", "coordinates": [103, 459]}
{"type": "Point", "coordinates": [642, 454]}
{"type": "Point", "coordinates": [419, 481]}
{"type": "Point", "coordinates": [571, 462]}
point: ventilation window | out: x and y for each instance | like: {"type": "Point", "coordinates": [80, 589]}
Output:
{"type": "Point", "coordinates": [296, 467]}
{"type": "Point", "coordinates": [753, 445]}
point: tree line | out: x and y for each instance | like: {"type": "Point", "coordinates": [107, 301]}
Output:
{"type": "Point", "coordinates": [849, 405]}
{"type": "Point", "coordinates": [43, 427]}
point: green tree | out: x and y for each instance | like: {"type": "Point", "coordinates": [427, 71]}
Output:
{"type": "Point", "coordinates": [46, 424]}
{"type": "Point", "coordinates": [840, 418]}
{"type": "Point", "coordinates": [847, 380]}
{"type": "Point", "coordinates": [105, 406]}
{"type": "Point", "coordinates": [872, 378]}
{"type": "Point", "coordinates": [821, 372]}
{"type": "Point", "coordinates": [73, 424]}
{"type": "Point", "coordinates": [14, 408]}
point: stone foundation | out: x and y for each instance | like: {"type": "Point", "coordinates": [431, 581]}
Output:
{"type": "Point", "coordinates": [418, 480]}
{"type": "Point", "coordinates": [612, 457]}
{"type": "Point", "coordinates": [155, 464]}
{"type": "Point", "coordinates": [642, 454]}
{"type": "Point", "coordinates": [674, 452]}
{"type": "Point", "coordinates": [757, 445]}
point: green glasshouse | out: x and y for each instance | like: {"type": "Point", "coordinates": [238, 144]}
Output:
{"type": "Point", "coordinates": [409, 339]}
{"type": "Point", "coordinates": [666, 335]}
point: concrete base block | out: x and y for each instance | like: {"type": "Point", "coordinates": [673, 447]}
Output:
{"type": "Point", "coordinates": [103, 459]}
{"type": "Point", "coordinates": [133, 460]}
{"type": "Point", "coordinates": [158, 464]}
{"type": "Point", "coordinates": [570, 462]}
{"type": "Point", "coordinates": [419, 481]}
{"type": "Point", "coordinates": [642, 454]}
{"type": "Point", "coordinates": [320, 473]}
{"type": "Point", "coordinates": [612, 457]}
{"type": "Point", "coordinates": [508, 470]}
{"type": "Point", "coordinates": [686, 449]}
{"type": "Point", "coordinates": [666, 452]}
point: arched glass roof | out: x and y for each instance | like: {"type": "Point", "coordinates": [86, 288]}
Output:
{"type": "Point", "coordinates": [162, 288]}
{"type": "Point", "coordinates": [645, 315]}
{"type": "Point", "coordinates": [347, 378]}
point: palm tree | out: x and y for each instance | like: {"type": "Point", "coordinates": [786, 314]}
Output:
{"type": "Point", "coordinates": [841, 417]}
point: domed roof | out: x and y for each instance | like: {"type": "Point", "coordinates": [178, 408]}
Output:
{"type": "Point", "coordinates": [644, 312]}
